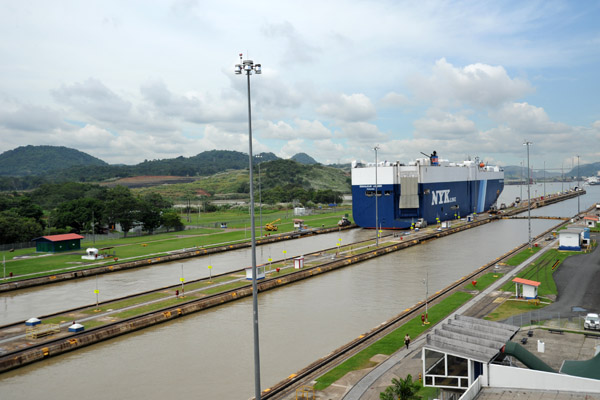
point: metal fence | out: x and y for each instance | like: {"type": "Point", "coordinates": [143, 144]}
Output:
{"type": "Point", "coordinates": [569, 321]}
{"type": "Point", "coordinates": [16, 246]}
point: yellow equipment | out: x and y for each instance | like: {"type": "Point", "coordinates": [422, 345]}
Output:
{"type": "Point", "coordinates": [270, 226]}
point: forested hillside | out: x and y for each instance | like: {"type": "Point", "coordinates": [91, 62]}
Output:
{"type": "Point", "coordinates": [39, 160]}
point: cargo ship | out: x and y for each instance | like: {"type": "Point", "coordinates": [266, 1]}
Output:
{"type": "Point", "coordinates": [428, 190]}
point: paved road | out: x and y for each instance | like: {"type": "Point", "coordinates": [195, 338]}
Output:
{"type": "Point", "coordinates": [578, 284]}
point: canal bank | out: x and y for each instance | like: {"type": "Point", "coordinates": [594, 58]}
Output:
{"type": "Point", "coordinates": [29, 352]}
{"type": "Point", "coordinates": [173, 256]}
{"type": "Point", "coordinates": [202, 354]}
{"type": "Point", "coordinates": [184, 254]}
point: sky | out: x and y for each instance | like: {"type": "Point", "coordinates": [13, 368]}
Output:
{"type": "Point", "coordinates": [128, 81]}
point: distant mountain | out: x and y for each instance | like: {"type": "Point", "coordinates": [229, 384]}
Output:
{"type": "Point", "coordinates": [516, 172]}
{"type": "Point", "coordinates": [304, 158]}
{"type": "Point", "coordinates": [39, 160]}
{"type": "Point", "coordinates": [30, 166]}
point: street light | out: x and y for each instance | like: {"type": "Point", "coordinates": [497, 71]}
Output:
{"type": "Point", "coordinates": [578, 187]}
{"type": "Point", "coordinates": [526, 143]}
{"type": "Point", "coordinates": [259, 196]}
{"type": "Point", "coordinates": [521, 182]}
{"type": "Point", "coordinates": [248, 67]}
{"type": "Point", "coordinates": [376, 196]}
{"type": "Point", "coordinates": [426, 283]}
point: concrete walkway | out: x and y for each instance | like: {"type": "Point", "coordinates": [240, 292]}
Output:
{"type": "Point", "coordinates": [362, 386]}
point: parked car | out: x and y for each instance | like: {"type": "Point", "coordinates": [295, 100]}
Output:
{"type": "Point", "coordinates": [592, 321]}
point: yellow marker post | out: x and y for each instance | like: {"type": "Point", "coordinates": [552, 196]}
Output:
{"type": "Point", "coordinates": [96, 291]}
{"type": "Point", "coordinates": [182, 279]}
{"type": "Point", "coordinates": [210, 273]}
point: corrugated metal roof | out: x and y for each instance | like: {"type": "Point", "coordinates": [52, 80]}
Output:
{"type": "Point", "coordinates": [60, 238]}
{"type": "Point", "coordinates": [527, 282]}
{"type": "Point", "coordinates": [469, 337]}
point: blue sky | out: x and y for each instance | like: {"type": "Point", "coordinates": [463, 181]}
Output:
{"type": "Point", "coordinates": [132, 80]}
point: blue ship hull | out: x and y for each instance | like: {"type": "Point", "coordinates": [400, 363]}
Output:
{"type": "Point", "coordinates": [443, 200]}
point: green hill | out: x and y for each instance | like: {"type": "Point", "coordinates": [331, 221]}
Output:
{"type": "Point", "coordinates": [277, 175]}
{"type": "Point", "coordinates": [304, 158]}
{"type": "Point", "coordinates": [40, 160]}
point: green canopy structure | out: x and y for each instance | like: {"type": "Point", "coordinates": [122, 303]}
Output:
{"type": "Point", "coordinates": [584, 369]}
{"type": "Point", "coordinates": [526, 357]}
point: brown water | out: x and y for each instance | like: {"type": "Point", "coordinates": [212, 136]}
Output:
{"type": "Point", "coordinates": [43, 300]}
{"type": "Point", "coordinates": [209, 355]}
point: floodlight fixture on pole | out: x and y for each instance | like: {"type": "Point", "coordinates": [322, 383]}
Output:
{"type": "Point", "coordinates": [526, 143]}
{"type": "Point", "coordinates": [376, 196]}
{"type": "Point", "coordinates": [249, 67]}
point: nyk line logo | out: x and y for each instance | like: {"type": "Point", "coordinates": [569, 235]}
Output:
{"type": "Point", "coordinates": [441, 197]}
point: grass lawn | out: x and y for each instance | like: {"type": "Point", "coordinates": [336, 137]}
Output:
{"type": "Point", "coordinates": [510, 308]}
{"type": "Point", "coordinates": [522, 256]}
{"type": "Point", "coordinates": [484, 281]}
{"type": "Point", "coordinates": [541, 271]}
{"type": "Point", "coordinates": [393, 341]}
{"type": "Point", "coordinates": [155, 245]}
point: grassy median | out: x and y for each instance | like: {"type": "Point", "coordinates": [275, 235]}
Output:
{"type": "Point", "coordinates": [394, 340]}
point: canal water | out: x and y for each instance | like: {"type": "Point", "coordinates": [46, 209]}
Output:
{"type": "Point", "coordinates": [209, 355]}
{"type": "Point", "coordinates": [43, 300]}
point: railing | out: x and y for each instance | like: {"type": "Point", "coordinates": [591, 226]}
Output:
{"type": "Point", "coordinates": [34, 332]}
{"type": "Point", "coordinates": [551, 320]}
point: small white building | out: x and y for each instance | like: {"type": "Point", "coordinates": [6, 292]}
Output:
{"type": "Point", "coordinates": [570, 239]}
{"type": "Point", "coordinates": [524, 288]}
{"type": "Point", "coordinates": [591, 221]}
{"type": "Point", "coordinates": [299, 211]}
{"type": "Point", "coordinates": [299, 262]}
{"type": "Point", "coordinates": [33, 321]}
{"type": "Point", "coordinates": [76, 328]}
{"type": "Point", "coordinates": [260, 272]}
{"type": "Point", "coordinates": [298, 223]}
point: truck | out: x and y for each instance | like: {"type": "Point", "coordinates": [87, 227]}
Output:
{"type": "Point", "coordinates": [421, 223]}
{"type": "Point", "coordinates": [270, 226]}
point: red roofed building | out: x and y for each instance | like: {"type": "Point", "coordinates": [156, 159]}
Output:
{"type": "Point", "coordinates": [526, 288]}
{"type": "Point", "coordinates": [58, 243]}
{"type": "Point", "coordinates": [591, 221]}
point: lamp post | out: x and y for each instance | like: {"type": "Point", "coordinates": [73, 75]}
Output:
{"type": "Point", "coordinates": [526, 143]}
{"type": "Point", "coordinates": [521, 183]}
{"type": "Point", "coordinates": [426, 283]}
{"type": "Point", "coordinates": [578, 187]}
{"type": "Point", "coordinates": [248, 67]}
{"type": "Point", "coordinates": [259, 196]}
{"type": "Point", "coordinates": [376, 196]}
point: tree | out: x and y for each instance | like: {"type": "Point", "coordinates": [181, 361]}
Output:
{"type": "Point", "coordinates": [170, 219]}
{"type": "Point", "coordinates": [151, 207]}
{"type": "Point", "coordinates": [121, 207]}
{"type": "Point", "coordinates": [17, 229]}
{"type": "Point", "coordinates": [405, 389]}
{"type": "Point", "coordinates": [389, 394]}
{"type": "Point", "coordinates": [77, 214]}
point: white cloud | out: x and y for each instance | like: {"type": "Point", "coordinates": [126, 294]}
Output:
{"type": "Point", "coordinates": [299, 129]}
{"type": "Point", "coordinates": [477, 85]}
{"type": "Point", "coordinates": [393, 99]}
{"type": "Point", "coordinates": [354, 107]}
{"type": "Point", "coordinates": [443, 125]}
{"type": "Point", "coordinates": [362, 132]}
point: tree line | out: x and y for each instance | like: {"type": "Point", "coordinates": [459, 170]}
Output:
{"type": "Point", "coordinates": [76, 207]}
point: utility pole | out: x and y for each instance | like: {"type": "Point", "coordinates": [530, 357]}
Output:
{"type": "Point", "coordinates": [578, 187]}
{"type": "Point", "coordinates": [526, 143]}
{"type": "Point", "coordinates": [376, 196]}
